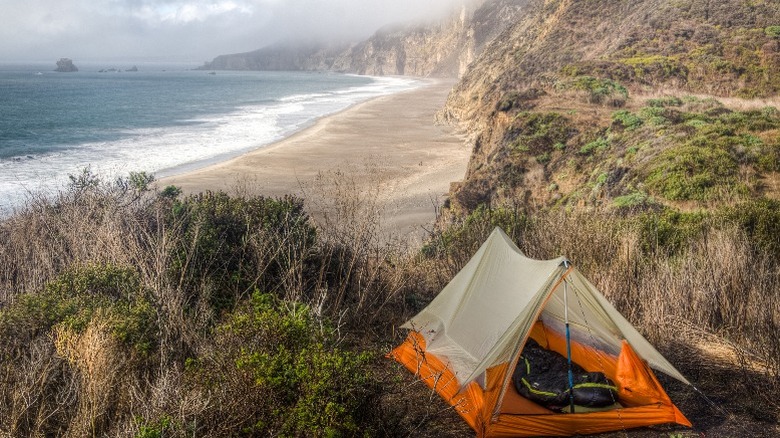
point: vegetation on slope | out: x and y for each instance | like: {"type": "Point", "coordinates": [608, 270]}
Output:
{"type": "Point", "coordinates": [129, 313]}
{"type": "Point", "coordinates": [677, 152]}
{"type": "Point", "coordinates": [627, 136]}
{"type": "Point", "coordinates": [724, 48]}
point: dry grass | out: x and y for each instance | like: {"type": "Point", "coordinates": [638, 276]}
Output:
{"type": "Point", "coordinates": [70, 381]}
{"type": "Point", "coordinates": [713, 309]}
{"type": "Point", "coordinates": [719, 294]}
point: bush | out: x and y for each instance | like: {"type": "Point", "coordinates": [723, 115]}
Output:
{"type": "Point", "coordinates": [76, 297]}
{"type": "Point", "coordinates": [596, 145]}
{"type": "Point", "coordinates": [772, 31]}
{"type": "Point", "coordinates": [760, 220]}
{"type": "Point", "coordinates": [305, 384]}
{"type": "Point", "coordinates": [669, 231]}
{"type": "Point", "coordinates": [693, 172]}
{"type": "Point", "coordinates": [225, 240]}
{"type": "Point", "coordinates": [538, 133]}
{"type": "Point", "coordinates": [626, 119]}
{"type": "Point", "coordinates": [632, 200]}
{"type": "Point", "coordinates": [664, 102]}
{"type": "Point", "coordinates": [598, 91]}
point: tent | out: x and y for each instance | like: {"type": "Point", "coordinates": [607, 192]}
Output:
{"type": "Point", "coordinates": [466, 343]}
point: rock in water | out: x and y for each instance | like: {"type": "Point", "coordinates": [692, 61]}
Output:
{"type": "Point", "coordinates": [65, 65]}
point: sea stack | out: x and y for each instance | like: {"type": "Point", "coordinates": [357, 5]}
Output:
{"type": "Point", "coordinates": [65, 65]}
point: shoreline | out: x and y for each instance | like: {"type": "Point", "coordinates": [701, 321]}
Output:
{"type": "Point", "coordinates": [386, 151]}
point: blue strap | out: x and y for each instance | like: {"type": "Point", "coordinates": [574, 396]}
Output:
{"type": "Point", "coordinates": [571, 374]}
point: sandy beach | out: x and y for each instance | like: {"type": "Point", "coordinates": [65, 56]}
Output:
{"type": "Point", "coordinates": [387, 151]}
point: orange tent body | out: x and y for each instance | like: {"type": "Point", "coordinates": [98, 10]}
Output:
{"type": "Point", "coordinates": [497, 410]}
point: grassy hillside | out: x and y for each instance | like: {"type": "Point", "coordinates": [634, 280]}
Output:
{"type": "Point", "coordinates": [642, 139]}
{"type": "Point", "coordinates": [146, 314]}
{"type": "Point", "coordinates": [625, 105]}
{"type": "Point", "coordinates": [131, 313]}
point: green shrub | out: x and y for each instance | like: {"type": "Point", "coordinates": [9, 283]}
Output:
{"type": "Point", "coordinates": [760, 220]}
{"type": "Point", "coordinates": [170, 192]}
{"type": "Point", "coordinates": [632, 200]}
{"type": "Point", "coordinates": [159, 428]}
{"type": "Point", "coordinates": [669, 231]}
{"type": "Point", "coordinates": [77, 296]}
{"type": "Point", "coordinates": [628, 120]}
{"type": "Point", "coordinates": [310, 387]}
{"type": "Point", "coordinates": [772, 31]}
{"type": "Point", "coordinates": [599, 91]}
{"type": "Point", "coordinates": [655, 115]}
{"type": "Point", "coordinates": [597, 145]}
{"type": "Point", "coordinates": [693, 172]}
{"type": "Point", "coordinates": [696, 123]}
{"type": "Point", "coordinates": [655, 67]}
{"type": "Point", "coordinates": [769, 159]}
{"type": "Point", "coordinates": [538, 132]}
{"type": "Point", "coordinates": [664, 102]}
{"type": "Point", "coordinates": [225, 239]}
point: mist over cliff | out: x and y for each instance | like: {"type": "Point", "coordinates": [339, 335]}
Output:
{"type": "Point", "coordinates": [440, 47]}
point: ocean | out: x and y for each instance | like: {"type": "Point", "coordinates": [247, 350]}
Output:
{"type": "Point", "coordinates": [163, 119]}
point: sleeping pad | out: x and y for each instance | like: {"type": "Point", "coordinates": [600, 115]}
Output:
{"type": "Point", "coordinates": [543, 377]}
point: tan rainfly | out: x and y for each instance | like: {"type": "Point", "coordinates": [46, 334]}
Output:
{"type": "Point", "coordinates": [472, 334]}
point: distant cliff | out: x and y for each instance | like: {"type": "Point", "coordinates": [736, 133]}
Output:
{"type": "Point", "coordinates": [65, 65]}
{"type": "Point", "coordinates": [438, 49]}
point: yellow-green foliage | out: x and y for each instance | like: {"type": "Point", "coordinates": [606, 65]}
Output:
{"type": "Point", "coordinates": [760, 220]}
{"type": "Point", "coordinates": [597, 90]}
{"type": "Point", "coordinates": [693, 172]}
{"type": "Point", "coordinates": [538, 133]}
{"type": "Point", "coordinates": [658, 66]}
{"type": "Point", "coordinates": [598, 145]}
{"type": "Point", "coordinates": [704, 146]}
{"type": "Point", "coordinates": [76, 297]}
{"type": "Point", "coordinates": [309, 386]}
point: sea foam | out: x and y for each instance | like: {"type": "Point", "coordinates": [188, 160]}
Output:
{"type": "Point", "coordinates": [184, 146]}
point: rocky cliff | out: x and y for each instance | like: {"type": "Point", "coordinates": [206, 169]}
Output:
{"type": "Point", "coordinates": [725, 48]}
{"type": "Point", "coordinates": [607, 103]}
{"type": "Point", "coordinates": [439, 49]}
{"type": "Point", "coordinates": [65, 65]}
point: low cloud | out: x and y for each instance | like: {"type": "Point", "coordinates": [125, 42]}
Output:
{"type": "Point", "coordinates": [195, 30]}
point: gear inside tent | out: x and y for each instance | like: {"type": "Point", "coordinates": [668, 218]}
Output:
{"type": "Point", "coordinates": [493, 340]}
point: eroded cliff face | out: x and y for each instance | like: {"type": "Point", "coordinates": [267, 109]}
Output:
{"type": "Point", "coordinates": [558, 108]}
{"type": "Point", "coordinates": [438, 49]}
{"type": "Point", "coordinates": [726, 48]}
{"type": "Point", "coordinates": [443, 49]}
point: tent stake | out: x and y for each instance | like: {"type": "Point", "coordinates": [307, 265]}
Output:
{"type": "Point", "coordinates": [568, 339]}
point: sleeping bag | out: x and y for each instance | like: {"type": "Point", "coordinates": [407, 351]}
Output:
{"type": "Point", "coordinates": [543, 377]}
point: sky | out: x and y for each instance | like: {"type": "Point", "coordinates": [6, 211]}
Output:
{"type": "Point", "coordinates": [187, 30]}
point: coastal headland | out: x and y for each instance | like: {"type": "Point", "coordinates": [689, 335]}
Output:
{"type": "Point", "coordinates": [389, 148]}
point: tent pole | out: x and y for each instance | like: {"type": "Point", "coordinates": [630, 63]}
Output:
{"type": "Point", "coordinates": [568, 339]}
